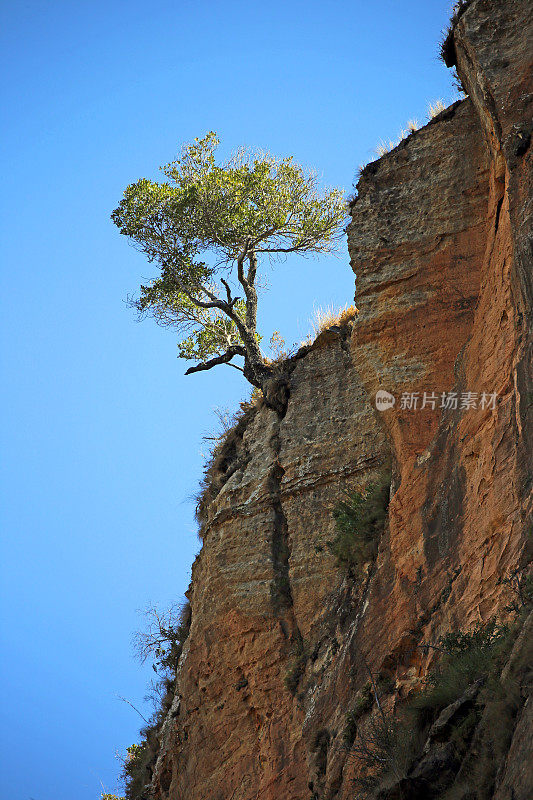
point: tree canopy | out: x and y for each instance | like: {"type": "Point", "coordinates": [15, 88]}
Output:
{"type": "Point", "coordinates": [206, 227]}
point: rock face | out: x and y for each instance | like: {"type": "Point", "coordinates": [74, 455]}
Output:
{"type": "Point", "coordinates": [262, 581]}
{"type": "Point", "coordinates": [282, 640]}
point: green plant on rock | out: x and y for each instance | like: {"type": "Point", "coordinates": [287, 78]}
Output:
{"type": "Point", "coordinates": [138, 765]}
{"type": "Point", "coordinates": [162, 637]}
{"type": "Point", "coordinates": [360, 518]}
{"type": "Point", "coordinates": [140, 759]}
{"type": "Point", "coordinates": [364, 700]}
{"type": "Point", "coordinates": [500, 703]}
{"type": "Point", "coordinates": [465, 658]}
{"type": "Point", "coordinates": [384, 749]}
{"type": "Point", "coordinates": [162, 641]}
{"type": "Point", "coordinates": [520, 582]}
{"type": "Point", "coordinates": [296, 666]}
{"type": "Point", "coordinates": [388, 744]}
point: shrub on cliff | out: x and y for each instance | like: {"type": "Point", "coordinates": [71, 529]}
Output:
{"type": "Point", "coordinates": [163, 636]}
{"type": "Point", "coordinates": [480, 689]}
{"type": "Point", "coordinates": [384, 751]}
{"type": "Point", "coordinates": [161, 640]}
{"type": "Point", "coordinates": [138, 765]}
{"type": "Point", "coordinates": [206, 228]}
{"type": "Point", "coordinates": [465, 658]}
{"type": "Point", "coordinates": [447, 44]}
{"type": "Point", "coordinates": [140, 758]}
{"type": "Point", "coordinates": [364, 700]}
{"type": "Point", "coordinates": [360, 520]}
{"type": "Point", "coordinates": [296, 666]}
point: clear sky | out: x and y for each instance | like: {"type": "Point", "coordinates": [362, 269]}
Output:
{"type": "Point", "coordinates": [101, 432]}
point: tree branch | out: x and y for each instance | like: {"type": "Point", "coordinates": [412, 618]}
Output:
{"type": "Point", "coordinates": [235, 350]}
{"type": "Point", "coordinates": [220, 304]}
{"type": "Point", "coordinates": [231, 300]}
{"type": "Point", "coordinates": [124, 700]}
{"type": "Point", "coordinates": [240, 270]}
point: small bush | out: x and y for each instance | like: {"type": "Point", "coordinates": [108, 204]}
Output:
{"type": "Point", "coordinates": [364, 700]}
{"type": "Point", "coordinates": [520, 582]}
{"type": "Point", "coordinates": [360, 520]}
{"type": "Point", "coordinates": [447, 44]}
{"type": "Point", "coordinates": [387, 746]}
{"type": "Point", "coordinates": [385, 683]}
{"type": "Point", "coordinates": [466, 657]}
{"type": "Point", "coordinates": [320, 747]}
{"type": "Point", "coordinates": [297, 666]}
{"type": "Point", "coordinates": [279, 353]}
{"type": "Point", "coordinates": [162, 641]}
{"type": "Point", "coordinates": [502, 698]}
{"type": "Point", "coordinates": [222, 459]}
{"type": "Point", "coordinates": [138, 764]}
{"type": "Point", "coordinates": [163, 637]}
{"type": "Point", "coordinates": [384, 750]}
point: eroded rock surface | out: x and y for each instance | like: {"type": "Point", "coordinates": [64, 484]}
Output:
{"type": "Point", "coordinates": [440, 241]}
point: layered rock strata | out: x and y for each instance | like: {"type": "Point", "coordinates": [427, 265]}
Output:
{"type": "Point", "coordinates": [440, 241]}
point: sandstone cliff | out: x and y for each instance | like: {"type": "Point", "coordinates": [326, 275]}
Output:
{"type": "Point", "coordinates": [440, 241]}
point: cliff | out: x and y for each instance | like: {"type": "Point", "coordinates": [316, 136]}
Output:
{"type": "Point", "coordinates": [283, 640]}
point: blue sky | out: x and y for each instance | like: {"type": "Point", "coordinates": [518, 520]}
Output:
{"type": "Point", "coordinates": [101, 431]}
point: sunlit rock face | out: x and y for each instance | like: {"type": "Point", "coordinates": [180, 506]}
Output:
{"type": "Point", "coordinates": [440, 241]}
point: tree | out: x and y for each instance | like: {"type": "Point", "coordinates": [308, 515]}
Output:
{"type": "Point", "coordinates": [163, 636]}
{"type": "Point", "coordinates": [206, 228]}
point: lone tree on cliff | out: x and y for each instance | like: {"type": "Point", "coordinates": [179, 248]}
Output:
{"type": "Point", "coordinates": [207, 228]}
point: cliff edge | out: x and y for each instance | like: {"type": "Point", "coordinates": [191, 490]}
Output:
{"type": "Point", "coordinates": [278, 679]}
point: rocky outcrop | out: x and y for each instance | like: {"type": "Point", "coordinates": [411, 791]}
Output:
{"type": "Point", "coordinates": [283, 641]}
{"type": "Point", "coordinates": [262, 581]}
{"type": "Point", "coordinates": [441, 243]}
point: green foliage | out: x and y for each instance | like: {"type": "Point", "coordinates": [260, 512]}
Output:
{"type": "Point", "coordinates": [360, 520]}
{"type": "Point", "coordinates": [320, 747]}
{"type": "Point", "coordinates": [297, 666]}
{"type": "Point", "coordinates": [364, 700]}
{"type": "Point", "coordinates": [138, 764]}
{"type": "Point", "coordinates": [501, 699]}
{"type": "Point", "coordinates": [385, 684]}
{"type": "Point", "coordinates": [466, 657]}
{"type": "Point", "coordinates": [161, 640]}
{"type": "Point", "coordinates": [204, 222]}
{"type": "Point", "coordinates": [520, 582]}
{"type": "Point", "coordinates": [223, 455]}
{"type": "Point", "coordinates": [108, 796]}
{"type": "Point", "coordinates": [388, 744]}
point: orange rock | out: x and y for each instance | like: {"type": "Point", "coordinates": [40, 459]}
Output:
{"type": "Point", "coordinates": [440, 243]}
